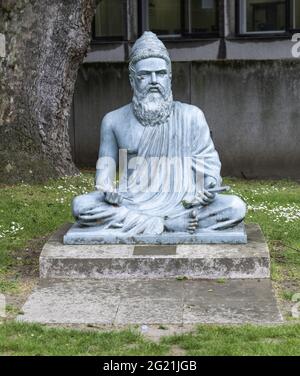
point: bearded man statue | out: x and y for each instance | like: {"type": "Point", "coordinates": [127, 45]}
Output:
{"type": "Point", "coordinates": [168, 169]}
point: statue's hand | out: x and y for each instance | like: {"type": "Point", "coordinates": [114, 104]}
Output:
{"type": "Point", "coordinates": [113, 198]}
{"type": "Point", "coordinates": [205, 197]}
{"type": "Point", "coordinates": [202, 198]}
{"type": "Point", "coordinates": [110, 194]}
{"type": "Point", "coordinates": [210, 182]}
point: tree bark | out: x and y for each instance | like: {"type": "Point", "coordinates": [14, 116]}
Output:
{"type": "Point", "coordinates": [45, 42]}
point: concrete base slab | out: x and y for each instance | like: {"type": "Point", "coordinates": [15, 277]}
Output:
{"type": "Point", "coordinates": [93, 235]}
{"type": "Point", "coordinates": [205, 261]}
{"type": "Point", "coordinates": [123, 302]}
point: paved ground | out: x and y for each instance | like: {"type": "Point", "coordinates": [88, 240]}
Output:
{"type": "Point", "coordinates": [169, 301]}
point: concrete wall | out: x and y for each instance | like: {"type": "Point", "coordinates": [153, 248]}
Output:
{"type": "Point", "coordinates": [252, 108]}
{"type": "Point", "coordinates": [232, 48]}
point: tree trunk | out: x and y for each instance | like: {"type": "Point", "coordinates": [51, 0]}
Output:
{"type": "Point", "coordinates": [41, 46]}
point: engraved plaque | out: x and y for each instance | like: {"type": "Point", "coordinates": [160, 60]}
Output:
{"type": "Point", "coordinates": [154, 250]}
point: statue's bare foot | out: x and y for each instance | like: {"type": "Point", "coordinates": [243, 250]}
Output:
{"type": "Point", "coordinates": [193, 222]}
{"type": "Point", "coordinates": [186, 222]}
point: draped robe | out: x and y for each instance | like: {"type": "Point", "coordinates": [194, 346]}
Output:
{"type": "Point", "coordinates": [172, 161]}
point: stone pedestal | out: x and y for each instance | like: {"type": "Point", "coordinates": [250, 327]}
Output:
{"type": "Point", "coordinates": [201, 261]}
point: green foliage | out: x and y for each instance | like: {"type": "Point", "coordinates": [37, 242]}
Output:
{"type": "Point", "coordinates": [287, 295]}
{"type": "Point", "coordinates": [182, 278]}
{"type": "Point", "coordinates": [28, 339]}
{"type": "Point", "coordinates": [239, 340]}
{"type": "Point", "coordinates": [32, 211]}
{"type": "Point", "coordinates": [275, 205]}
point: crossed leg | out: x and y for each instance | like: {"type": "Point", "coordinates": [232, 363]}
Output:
{"type": "Point", "coordinates": [92, 210]}
{"type": "Point", "coordinates": [225, 212]}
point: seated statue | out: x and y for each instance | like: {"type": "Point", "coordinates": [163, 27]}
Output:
{"type": "Point", "coordinates": [168, 169]}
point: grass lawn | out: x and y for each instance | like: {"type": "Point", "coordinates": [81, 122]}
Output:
{"type": "Point", "coordinates": [29, 213]}
{"type": "Point", "coordinates": [28, 339]}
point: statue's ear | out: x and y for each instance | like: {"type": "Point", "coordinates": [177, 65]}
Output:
{"type": "Point", "coordinates": [131, 81]}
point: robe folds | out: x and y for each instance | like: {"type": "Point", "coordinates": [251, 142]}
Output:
{"type": "Point", "coordinates": [173, 159]}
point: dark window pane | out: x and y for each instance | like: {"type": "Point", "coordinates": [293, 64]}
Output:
{"type": "Point", "coordinates": [202, 16]}
{"type": "Point", "coordinates": [109, 19]}
{"type": "Point", "coordinates": [165, 16]}
{"type": "Point", "coordinates": [295, 14]}
{"type": "Point", "coordinates": [263, 15]}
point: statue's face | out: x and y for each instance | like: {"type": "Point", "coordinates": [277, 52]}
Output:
{"type": "Point", "coordinates": [152, 95]}
{"type": "Point", "coordinates": [152, 76]}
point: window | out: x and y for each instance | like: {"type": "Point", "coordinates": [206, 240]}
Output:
{"type": "Point", "coordinates": [261, 16]}
{"type": "Point", "coordinates": [109, 20]}
{"type": "Point", "coordinates": [268, 16]}
{"type": "Point", "coordinates": [295, 14]}
{"type": "Point", "coordinates": [165, 17]}
{"type": "Point", "coordinates": [180, 17]}
{"type": "Point", "coordinates": [202, 16]}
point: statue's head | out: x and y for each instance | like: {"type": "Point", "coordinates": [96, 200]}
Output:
{"type": "Point", "coordinates": [150, 78]}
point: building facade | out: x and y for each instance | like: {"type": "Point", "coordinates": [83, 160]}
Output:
{"type": "Point", "coordinates": [238, 60]}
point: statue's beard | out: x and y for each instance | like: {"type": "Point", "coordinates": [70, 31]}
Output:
{"type": "Point", "coordinates": [152, 108]}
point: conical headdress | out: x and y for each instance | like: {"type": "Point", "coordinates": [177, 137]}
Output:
{"type": "Point", "coordinates": [148, 45]}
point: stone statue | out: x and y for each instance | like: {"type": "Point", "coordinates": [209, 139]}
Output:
{"type": "Point", "coordinates": [154, 130]}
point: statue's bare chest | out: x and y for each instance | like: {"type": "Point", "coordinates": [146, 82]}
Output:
{"type": "Point", "coordinates": [128, 136]}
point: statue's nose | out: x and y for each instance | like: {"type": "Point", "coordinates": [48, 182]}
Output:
{"type": "Point", "coordinates": [153, 78]}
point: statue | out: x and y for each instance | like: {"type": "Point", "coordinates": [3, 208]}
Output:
{"type": "Point", "coordinates": [174, 139]}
